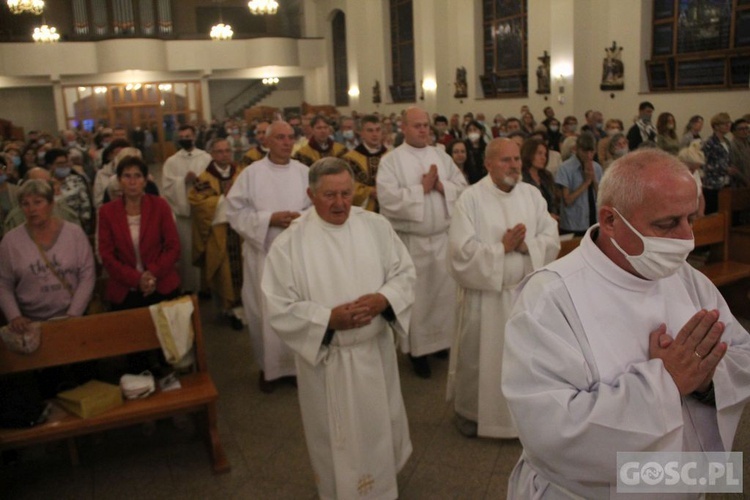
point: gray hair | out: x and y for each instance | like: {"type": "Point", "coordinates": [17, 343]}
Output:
{"type": "Point", "coordinates": [624, 183]}
{"type": "Point", "coordinates": [327, 166]}
{"type": "Point", "coordinates": [613, 142]}
{"type": "Point", "coordinates": [273, 125]}
{"type": "Point", "coordinates": [125, 152]}
{"type": "Point", "coordinates": [213, 142]}
{"type": "Point", "coordinates": [36, 187]}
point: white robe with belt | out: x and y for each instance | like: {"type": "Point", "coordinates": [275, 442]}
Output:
{"type": "Point", "coordinates": [350, 395]}
{"type": "Point", "coordinates": [581, 386]}
{"type": "Point", "coordinates": [487, 278]}
{"type": "Point", "coordinates": [257, 193]}
{"type": "Point", "coordinates": [421, 221]}
{"type": "Point", "coordinates": [174, 190]}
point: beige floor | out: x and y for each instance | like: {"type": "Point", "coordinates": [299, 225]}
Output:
{"type": "Point", "coordinates": [263, 437]}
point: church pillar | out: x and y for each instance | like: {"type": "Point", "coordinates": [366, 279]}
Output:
{"type": "Point", "coordinates": [57, 94]}
{"type": "Point", "coordinates": [205, 96]}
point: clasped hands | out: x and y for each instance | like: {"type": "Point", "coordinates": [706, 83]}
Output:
{"type": "Point", "coordinates": [431, 181]}
{"type": "Point", "coordinates": [514, 239]}
{"type": "Point", "coordinates": [147, 284]}
{"type": "Point", "coordinates": [283, 219]}
{"type": "Point", "coordinates": [358, 313]}
{"type": "Point", "coordinates": [692, 356]}
{"type": "Point", "coordinates": [589, 175]}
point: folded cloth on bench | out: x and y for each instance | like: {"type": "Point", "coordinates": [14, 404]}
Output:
{"type": "Point", "coordinates": [174, 328]}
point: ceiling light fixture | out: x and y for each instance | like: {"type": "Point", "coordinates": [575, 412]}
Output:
{"type": "Point", "coordinates": [221, 31]}
{"type": "Point", "coordinates": [45, 34]}
{"type": "Point", "coordinates": [262, 7]}
{"type": "Point", "coordinates": [31, 6]}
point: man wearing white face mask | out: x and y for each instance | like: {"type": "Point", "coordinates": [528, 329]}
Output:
{"type": "Point", "coordinates": [622, 346]}
{"type": "Point", "coordinates": [346, 134]}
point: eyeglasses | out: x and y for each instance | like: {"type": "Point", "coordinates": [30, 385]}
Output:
{"type": "Point", "coordinates": [742, 129]}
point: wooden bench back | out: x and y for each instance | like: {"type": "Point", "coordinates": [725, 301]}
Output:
{"type": "Point", "coordinates": [73, 340]}
{"type": "Point", "coordinates": [711, 230]}
{"type": "Point", "coordinates": [567, 246]}
{"type": "Point", "coordinates": [734, 200]}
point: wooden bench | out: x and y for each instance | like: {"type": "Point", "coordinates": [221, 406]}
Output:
{"type": "Point", "coordinates": [711, 231]}
{"type": "Point", "coordinates": [103, 336]}
{"type": "Point", "coordinates": [733, 201]}
{"type": "Point", "coordinates": [567, 246]}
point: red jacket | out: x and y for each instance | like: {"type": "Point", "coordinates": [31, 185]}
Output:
{"type": "Point", "coordinates": [159, 247]}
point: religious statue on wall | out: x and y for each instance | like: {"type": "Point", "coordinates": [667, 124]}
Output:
{"type": "Point", "coordinates": [462, 88]}
{"type": "Point", "coordinates": [543, 75]}
{"type": "Point", "coordinates": [613, 71]}
{"type": "Point", "coordinates": [376, 92]}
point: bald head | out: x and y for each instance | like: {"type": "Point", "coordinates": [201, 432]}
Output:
{"type": "Point", "coordinates": [38, 173]}
{"type": "Point", "coordinates": [630, 180]}
{"type": "Point", "coordinates": [502, 159]}
{"type": "Point", "coordinates": [280, 141]}
{"type": "Point", "coordinates": [416, 127]}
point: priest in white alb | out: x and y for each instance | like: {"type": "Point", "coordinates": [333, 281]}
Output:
{"type": "Point", "coordinates": [262, 203]}
{"type": "Point", "coordinates": [178, 176]}
{"type": "Point", "coordinates": [417, 186]}
{"type": "Point", "coordinates": [500, 232]}
{"type": "Point", "coordinates": [339, 283]}
{"type": "Point", "coordinates": [622, 346]}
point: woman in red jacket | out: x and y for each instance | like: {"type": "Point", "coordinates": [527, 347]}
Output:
{"type": "Point", "coordinates": [138, 242]}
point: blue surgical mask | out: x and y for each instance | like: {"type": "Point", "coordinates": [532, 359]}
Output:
{"type": "Point", "coordinates": [16, 161]}
{"type": "Point", "coordinates": [3, 178]}
{"type": "Point", "coordinates": [62, 172]}
{"type": "Point", "coordinates": [348, 134]}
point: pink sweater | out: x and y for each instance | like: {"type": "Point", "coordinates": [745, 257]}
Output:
{"type": "Point", "coordinates": [28, 288]}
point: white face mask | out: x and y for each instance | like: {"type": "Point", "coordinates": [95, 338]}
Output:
{"type": "Point", "coordinates": [474, 136]}
{"type": "Point", "coordinates": [661, 257]}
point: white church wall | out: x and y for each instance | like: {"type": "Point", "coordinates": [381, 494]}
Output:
{"type": "Point", "coordinates": [448, 35]}
{"type": "Point", "coordinates": [32, 108]}
{"type": "Point", "coordinates": [574, 32]}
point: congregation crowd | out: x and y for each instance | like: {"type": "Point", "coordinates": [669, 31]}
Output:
{"type": "Point", "coordinates": [325, 237]}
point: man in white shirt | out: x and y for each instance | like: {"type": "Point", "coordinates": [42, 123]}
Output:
{"type": "Point", "coordinates": [334, 281]}
{"type": "Point", "coordinates": [417, 186]}
{"type": "Point", "coordinates": [263, 201]}
{"type": "Point", "coordinates": [500, 231]}
{"type": "Point", "coordinates": [621, 346]}
{"type": "Point", "coordinates": [178, 175]}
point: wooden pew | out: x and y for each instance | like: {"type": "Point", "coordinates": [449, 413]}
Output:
{"type": "Point", "coordinates": [567, 246]}
{"type": "Point", "coordinates": [733, 201]}
{"type": "Point", "coordinates": [107, 335]}
{"type": "Point", "coordinates": [712, 232]}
